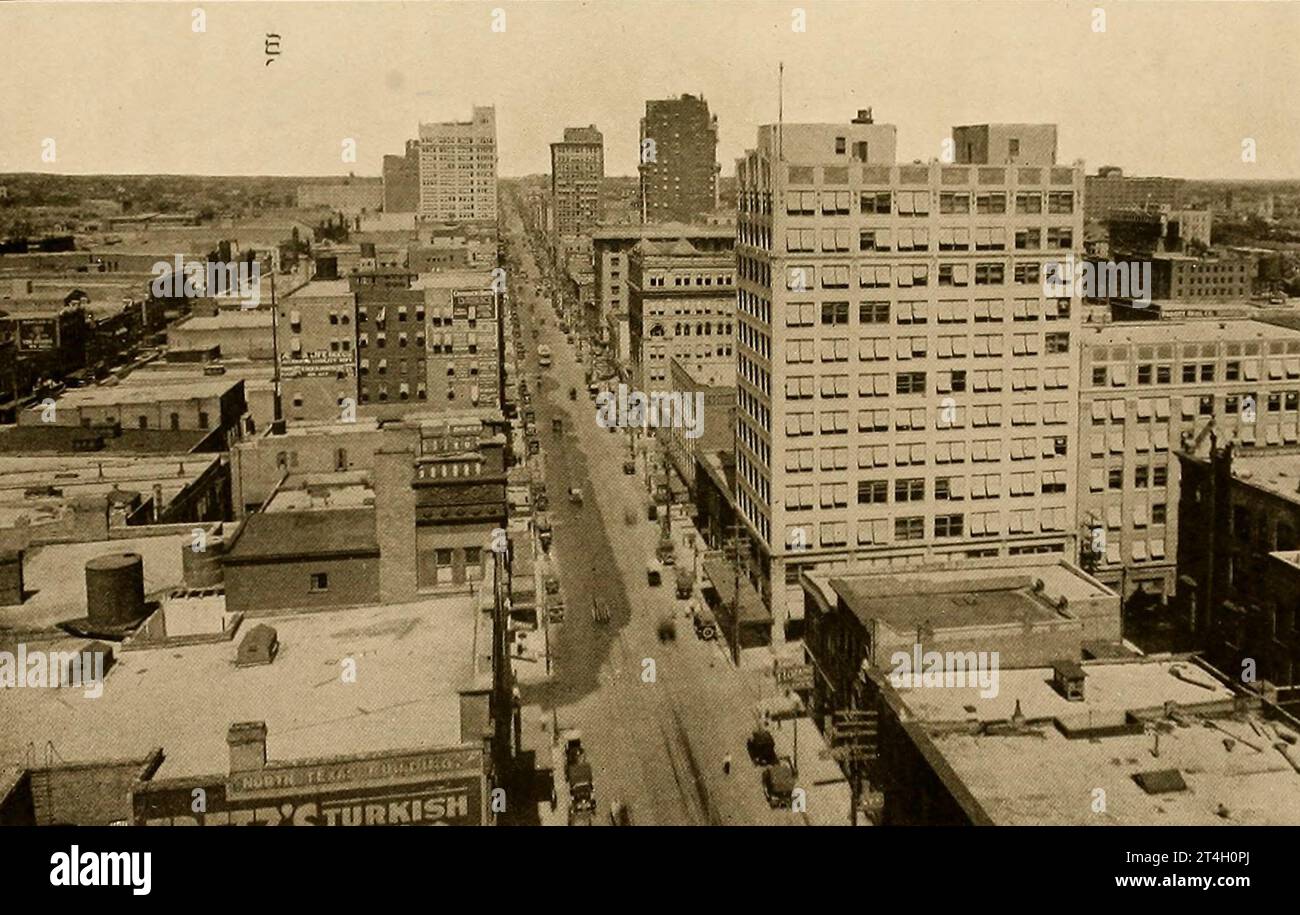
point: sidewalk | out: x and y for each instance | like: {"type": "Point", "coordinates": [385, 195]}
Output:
{"type": "Point", "coordinates": [827, 790]}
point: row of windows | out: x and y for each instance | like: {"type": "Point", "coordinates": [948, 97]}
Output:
{"type": "Point", "coordinates": [912, 454]}
{"type": "Point", "coordinates": [1145, 476]}
{"type": "Point", "coordinates": [721, 279]}
{"type": "Point", "coordinates": [982, 311]}
{"type": "Point", "coordinates": [1246, 404]}
{"type": "Point", "coordinates": [839, 240]}
{"type": "Point", "coordinates": [804, 277]}
{"type": "Point", "coordinates": [682, 329]}
{"type": "Point", "coordinates": [880, 349]}
{"type": "Point", "coordinates": [142, 422]}
{"type": "Point", "coordinates": [884, 202]}
{"type": "Point", "coordinates": [914, 489]}
{"type": "Point", "coordinates": [1192, 372]}
{"type": "Point", "coordinates": [878, 531]}
{"type": "Point", "coordinates": [987, 416]}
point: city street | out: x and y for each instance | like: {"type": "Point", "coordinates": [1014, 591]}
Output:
{"type": "Point", "coordinates": [657, 718]}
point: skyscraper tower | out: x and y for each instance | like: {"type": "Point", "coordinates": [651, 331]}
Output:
{"type": "Point", "coordinates": [905, 381]}
{"type": "Point", "coordinates": [458, 169]}
{"type": "Point", "coordinates": [678, 160]}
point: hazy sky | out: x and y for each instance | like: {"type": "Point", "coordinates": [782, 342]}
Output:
{"type": "Point", "coordinates": [1168, 88]}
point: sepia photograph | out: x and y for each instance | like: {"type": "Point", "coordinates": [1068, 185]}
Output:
{"type": "Point", "coordinates": [726, 413]}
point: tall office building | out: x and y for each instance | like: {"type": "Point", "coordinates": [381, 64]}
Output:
{"type": "Point", "coordinates": [402, 180]}
{"type": "Point", "coordinates": [1111, 190]}
{"type": "Point", "coordinates": [905, 387]}
{"type": "Point", "coordinates": [458, 169]}
{"type": "Point", "coordinates": [577, 168]}
{"type": "Point", "coordinates": [678, 156]}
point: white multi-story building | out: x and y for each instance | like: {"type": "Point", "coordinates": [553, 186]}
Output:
{"type": "Point", "coordinates": [906, 390]}
{"type": "Point", "coordinates": [458, 169]}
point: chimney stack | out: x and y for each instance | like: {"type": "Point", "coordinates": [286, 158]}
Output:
{"type": "Point", "coordinates": [247, 741]}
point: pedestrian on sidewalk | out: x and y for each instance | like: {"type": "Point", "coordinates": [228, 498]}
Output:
{"type": "Point", "coordinates": [726, 764]}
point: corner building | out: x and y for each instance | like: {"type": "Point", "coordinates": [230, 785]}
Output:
{"type": "Point", "coordinates": [905, 388]}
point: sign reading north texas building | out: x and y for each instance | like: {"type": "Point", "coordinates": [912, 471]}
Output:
{"type": "Point", "coordinates": [437, 788]}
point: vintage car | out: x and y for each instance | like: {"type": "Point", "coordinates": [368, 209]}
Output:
{"type": "Point", "coordinates": [778, 784]}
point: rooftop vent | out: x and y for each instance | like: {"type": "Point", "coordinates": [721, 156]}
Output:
{"type": "Point", "coordinates": [259, 646]}
{"type": "Point", "coordinates": [1160, 781]}
{"type": "Point", "coordinates": [864, 117]}
{"type": "Point", "coordinates": [1067, 679]}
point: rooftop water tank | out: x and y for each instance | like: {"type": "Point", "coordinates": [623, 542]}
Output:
{"type": "Point", "coordinates": [115, 589]}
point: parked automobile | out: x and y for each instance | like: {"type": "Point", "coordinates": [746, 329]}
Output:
{"type": "Point", "coordinates": [778, 784]}
{"type": "Point", "coordinates": [653, 574]}
{"type": "Point", "coordinates": [575, 495]}
{"type": "Point", "coordinates": [664, 552]}
{"type": "Point", "coordinates": [705, 628]}
{"type": "Point", "coordinates": [685, 582]}
{"type": "Point", "coordinates": [761, 747]}
{"type": "Point", "coordinates": [629, 467]}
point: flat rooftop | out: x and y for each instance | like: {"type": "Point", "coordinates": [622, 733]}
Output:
{"type": "Point", "coordinates": [663, 230]}
{"type": "Point", "coordinates": [1049, 777]}
{"type": "Point", "coordinates": [1273, 470]}
{"type": "Point", "coordinates": [112, 395]}
{"type": "Point", "coordinates": [316, 533]}
{"type": "Point", "coordinates": [411, 661]}
{"type": "Point", "coordinates": [455, 279]}
{"type": "Point", "coordinates": [70, 477]}
{"type": "Point", "coordinates": [55, 579]}
{"type": "Point", "coordinates": [245, 370]}
{"type": "Point", "coordinates": [323, 492]}
{"type": "Point", "coordinates": [230, 319]}
{"type": "Point", "coordinates": [314, 428]}
{"type": "Point", "coordinates": [906, 603]}
{"type": "Point", "coordinates": [1209, 331]}
{"type": "Point", "coordinates": [319, 289]}
{"type": "Point", "coordinates": [959, 595]}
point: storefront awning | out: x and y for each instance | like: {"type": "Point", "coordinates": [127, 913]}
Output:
{"type": "Point", "coordinates": [721, 577]}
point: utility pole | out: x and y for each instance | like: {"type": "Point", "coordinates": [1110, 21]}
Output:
{"type": "Point", "coordinates": [501, 702]}
{"type": "Point", "coordinates": [668, 515]}
{"type": "Point", "coordinates": [735, 541]}
{"type": "Point", "coordinates": [735, 594]}
{"type": "Point", "coordinates": [853, 740]}
{"type": "Point", "coordinates": [277, 399]}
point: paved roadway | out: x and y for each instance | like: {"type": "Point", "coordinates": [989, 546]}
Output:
{"type": "Point", "coordinates": [658, 746]}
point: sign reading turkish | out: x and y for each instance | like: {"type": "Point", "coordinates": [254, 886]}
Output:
{"type": "Point", "coordinates": [442, 787]}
